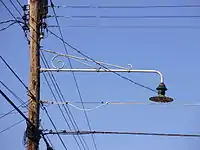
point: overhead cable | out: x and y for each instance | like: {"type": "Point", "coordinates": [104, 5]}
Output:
{"type": "Point", "coordinates": [24, 104]}
{"type": "Point", "coordinates": [15, 74]}
{"type": "Point", "coordinates": [81, 53]}
{"type": "Point", "coordinates": [60, 95]}
{"type": "Point", "coordinates": [14, 18]}
{"type": "Point", "coordinates": [8, 128]}
{"type": "Point", "coordinates": [128, 6]}
{"type": "Point", "coordinates": [129, 26]}
{"type": "Point", "coordinates": [104, 103]}
{"type": "Point", "coordinates": [128, 17]}
{"type": "Point", "coordinates": [64, 132]}
{"type": "Point", "coordinates": [15, 7]}
{"type": "Point", "coordinates": [73, 74]}
{"type": "Point", "coordinates": [19, 3]}
{"type": "Point", "coordinates": [21, 113]}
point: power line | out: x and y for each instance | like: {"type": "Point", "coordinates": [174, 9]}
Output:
{"type": "Point", "coordinates": [81, 53]}
{"type": "Point", "coordinates": [129, 26]}
{"type": "Point", "coordinates": [7, 26]}
{"type": "Point", "coordinates": [15, 107]}
{"type": "Point", "coordinates": [48, 138]}
{"type": "Point", "coordinates": [12, 23]}
{"type": "Point", "coordinates": [23, 104]}
{"type": "Point", "coordinates": [11, 68]}
{"type": "Point", "coordinates": [8, 128]}
{"type": "Point", "coordinates": [55, 85]}
{"type": "Point", "coordinates": [64, 132]}
{"type": "Point", "coordinates": [7, 21]}
{"type": "Point", "coordinates": [15, 74]}
{"type": "Point", "coordinates": [18, 98]}
{"type": "Point", "coordinates": [7, 65]}
{"type": "Point", "coordinates": [15, 7]}
{"type": "Point", "coordinates": [14, 17]}
{"type": "Point", "coordinates": [32, 128]}
{"type": "Point", "coordinates": [10, 112]}
{"type": "Point", "coordinates": [129, 17]}
{"type": "Point", "coordinates": [55, 128]}
{"type": "Point", "coordinates": [127, 7]}
{"type": "Point", "coordinates": [19, 3]}
{"type": "Point", "coordinates": [73, 74]}
{"type": "Point", "coordinates": [102, 103]}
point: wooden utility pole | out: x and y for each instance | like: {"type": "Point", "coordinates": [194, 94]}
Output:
{"type": "Point", "coordinates": [34, 86]}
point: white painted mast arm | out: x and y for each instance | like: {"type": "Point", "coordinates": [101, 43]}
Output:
{"type": "Point", "coordinates": [105, 70]}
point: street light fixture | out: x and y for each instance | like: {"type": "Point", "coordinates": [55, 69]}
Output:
{"type": "Point", "coordinates": [161, 98]}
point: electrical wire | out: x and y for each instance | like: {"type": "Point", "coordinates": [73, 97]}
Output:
{"type": "Point", "coordinates": [73, 74]}
{"type": "Point", "coordinates": [7, 21]}
{"type": "Point", "coordinates": [8, 66]}
{"type": "Point", "coordinates": [13, 22]}
{"type": "Point", "coordinates": [26, 36]}
{"type": "Point", "coordinates": [28, 42]}
{"type": "Point", "coordinates": [10, 127]}
{"type": "Point", "coordinates": [64, 132]}
{"type": "Point", "coordinates": [10, 112]}
{"type": "Point", "coordinates": [56, 87]}
{"type": "Point", "coordinates": [62, 112]}
{"type": "Point", "coordinates": [15, 74]}
{"type": "Point", "coordinates": [24, 104]}
{"type": "Point", "coordinates": [127, 7]}
{"type": "Point", "coordinates": [15, 8]}
{"type": "Point", "coordinates": [47, 137]}
{"type": "Point", "coordinates": [129, 17]}
{"type": "Point", "coordinates": [19, 3]}
{"type": "Point", "coordinates": [7, 26]}
{"type": "Point", "coordinates": [102, 103]}
{"type": "Point", "coordinates": [54, 127]}
{"type": "Point", "coordinates": [129, 26]}
{"type": "Point", "coordinates": [81, 53]}
{"type": "Point", "coordinates": [21, 113]}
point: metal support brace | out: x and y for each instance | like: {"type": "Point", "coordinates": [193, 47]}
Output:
{"type": "Point", "coordinates": [105, 70]}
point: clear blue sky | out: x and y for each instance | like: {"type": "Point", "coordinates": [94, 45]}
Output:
{"type": "Point", "coordinates": [175, 52]}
